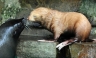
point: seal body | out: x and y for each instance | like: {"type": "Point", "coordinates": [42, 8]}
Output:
{"type": "Point", "coordinates": [62, 22]}
{"type": "Point", "coordinates": [9, 33]}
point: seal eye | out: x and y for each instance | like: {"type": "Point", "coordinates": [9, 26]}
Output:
{"type": "Point", "coordinates": [15, 32]}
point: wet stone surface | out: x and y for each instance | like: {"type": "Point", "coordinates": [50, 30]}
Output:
{"type": "Point", "coordinates": [29, 47]}
{"type": "Point", "coordinates": [83, 50]}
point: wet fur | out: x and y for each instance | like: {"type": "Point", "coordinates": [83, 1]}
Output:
{"type": "Point", "coordinates": [62, 22]}
{"type": "Point", "coordinates": [9, 33]}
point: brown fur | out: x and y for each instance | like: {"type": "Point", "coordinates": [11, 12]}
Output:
{"type": "Point", "coordinates": [59, 22]}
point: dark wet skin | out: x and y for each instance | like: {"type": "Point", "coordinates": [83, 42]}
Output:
{"type": "Point", "coordinates": [9, 34]}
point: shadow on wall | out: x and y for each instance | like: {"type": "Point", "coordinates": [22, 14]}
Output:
{"type": "Point", "coordinates": [62, 5]}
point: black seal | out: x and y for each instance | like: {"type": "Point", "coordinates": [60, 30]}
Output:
{"type": "Point", "coordinates": [9, 34]}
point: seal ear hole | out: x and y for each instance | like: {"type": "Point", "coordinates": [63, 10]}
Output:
{"type": "Point", "coordinates": [34, 16]}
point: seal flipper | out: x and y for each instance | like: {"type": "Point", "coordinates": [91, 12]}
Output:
{"type": "Point", "coordinates": [65, 43]}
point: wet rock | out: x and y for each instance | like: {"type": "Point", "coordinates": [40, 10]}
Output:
{"type": "Point", "coordinates": [83, 50]}
{"type": "Point", "coordinates": [29, 47]}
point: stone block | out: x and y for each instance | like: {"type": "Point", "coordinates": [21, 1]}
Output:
{"type": "Point", "coordinates": [29, 47]}
{"type": "Point", "coordinates": [83, 50]}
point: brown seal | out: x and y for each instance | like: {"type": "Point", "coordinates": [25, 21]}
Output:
{"type": "Point", "coordinates": [61, 22]}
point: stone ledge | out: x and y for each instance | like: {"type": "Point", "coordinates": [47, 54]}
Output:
{"type": "Point", "coordinates": [29, 47]}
